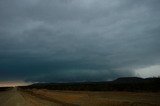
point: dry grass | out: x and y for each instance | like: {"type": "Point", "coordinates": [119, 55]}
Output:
{"type": "Point", "coordinates": [102, 98]}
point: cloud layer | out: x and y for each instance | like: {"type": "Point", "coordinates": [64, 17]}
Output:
{"type": "Point", "coordinates": [72, 40]}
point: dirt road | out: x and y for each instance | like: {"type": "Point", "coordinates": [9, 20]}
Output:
{"type": "Point", "coordinates": [17, 98]}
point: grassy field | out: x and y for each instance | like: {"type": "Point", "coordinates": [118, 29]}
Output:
{"type": "Point", "coordinates": [127, 91]}
{"type": "Point", "coordinates": [87, 98]}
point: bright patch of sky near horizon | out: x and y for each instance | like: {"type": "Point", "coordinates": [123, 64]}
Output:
{"type": "Point", "coordinates": [151, 71]}
{"type": "Point", "coordinates": [13, 83]}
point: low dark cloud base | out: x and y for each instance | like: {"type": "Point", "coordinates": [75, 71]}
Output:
{"type": "Point", "coordinates": [71, 40]}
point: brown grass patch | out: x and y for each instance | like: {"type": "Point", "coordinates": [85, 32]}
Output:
{"type": "Point", "coordinates": [84, 98]}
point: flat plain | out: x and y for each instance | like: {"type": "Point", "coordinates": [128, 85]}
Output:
{"type": "Point", "coordinates": [43, 97]}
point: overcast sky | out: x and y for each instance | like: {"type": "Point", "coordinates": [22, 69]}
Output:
{"type": "Point", "coordinates": [79, 40]}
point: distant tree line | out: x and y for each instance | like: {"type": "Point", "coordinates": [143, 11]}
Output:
{"type": "Point", "coordinates": [132, 84]}
{"type": "Point", "coordinates": [5, 88]}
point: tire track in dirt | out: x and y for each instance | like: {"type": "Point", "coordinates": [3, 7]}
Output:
{"type": "Point", "coordinates": [36, 101]}
{"type": "Point", "coordinates": [45, 98]}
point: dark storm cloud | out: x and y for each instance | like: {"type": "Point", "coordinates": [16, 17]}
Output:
{"type": "Point", "coordinates": [72, 40]}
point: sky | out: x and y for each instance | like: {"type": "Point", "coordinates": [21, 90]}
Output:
{"type": "Point", "coordinates": [78, 40]}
